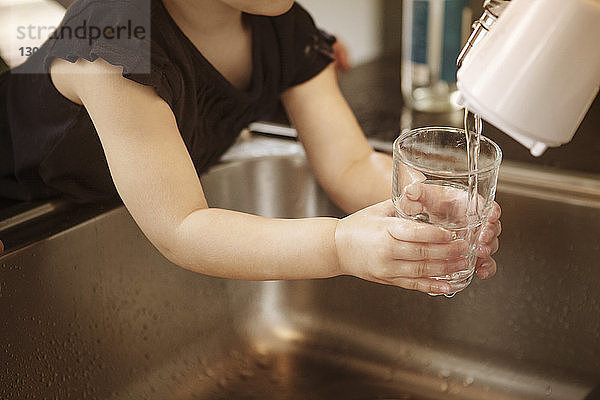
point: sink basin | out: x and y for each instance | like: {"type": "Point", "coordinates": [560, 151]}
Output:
{"type": "Point", "coordinates": [96, 312]}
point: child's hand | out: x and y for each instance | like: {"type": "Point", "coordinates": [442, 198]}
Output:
{"type": "Point", "coordinates": [374, 244]}
{"type": "Point", "coordinates": [342, 59]}
{"type": "Point", "coordinates": [442, 204]}
{"type": "Point", "coordinates": [486, 266]}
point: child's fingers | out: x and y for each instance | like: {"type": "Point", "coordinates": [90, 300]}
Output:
{"type": "Point", "coordinates": [425, 268]}
{"type": "Point", "coordinates": [491, 231]}
{"type": "Point", "coordinates": [410, 176]}
{"type": "Point", "coordinates": [342, 59]}
{"type": "Point", "coordinates": [495, 213]}
{"type": "Point", "coordinates": [488, 249]}
{"type": "Point", "coordinates": [409, 207]}
{"type": "Point", "coordinates": [411, 251]}
{"type": "Point", "coordinates": [425, 285]}
{"type": "Point", "coordinates": [438, 199]}
{"type": "Point", "coordinates": [485, 268]}
{"type": "Point", "coordinates": [411, 231]}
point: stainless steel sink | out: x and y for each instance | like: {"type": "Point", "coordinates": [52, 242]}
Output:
{"type": "Point", "coordinates": [96, 312]}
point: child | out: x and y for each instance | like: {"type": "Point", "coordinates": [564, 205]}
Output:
{"type": "Point", "coordinates": [87, 118]}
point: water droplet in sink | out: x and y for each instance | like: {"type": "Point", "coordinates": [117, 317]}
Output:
{"type": "Point", "coordinates": [468, 381]}
{"type": "Point", "coordinates": [263, 362]}
{"type": "Point", "coordinates": [390, 375]}
{"type": "Point", "coordinates": [210, 373]}
{"type": "Point", "coordinates": [275, 379]}
{"type": "Point", "coordinates": [246, 373]}
{"type": "Point", "coordinates": [444, 373]}
{"type": "Point", "coordinates": [444, 386]}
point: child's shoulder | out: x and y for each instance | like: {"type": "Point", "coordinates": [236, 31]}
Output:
{"type": "Point", "coordinates": [297, 14]}
{"type": "Point", "coordinates": [305, 49]}
{"type": "Point", "coordinates": [299, 23]}
{"type": "Point", "coordinates": [105, 19]}
{"type": "Point", "coordinates": [116, 30]}
{"type": "Point", "coordinates": [111, 9]}
{"type": "Point", "coordinates": [296, 25]}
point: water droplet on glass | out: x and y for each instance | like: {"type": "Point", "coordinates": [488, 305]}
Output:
{"type": "Point", "coordinates": [422, 217]}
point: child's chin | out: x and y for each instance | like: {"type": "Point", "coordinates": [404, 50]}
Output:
{"type": "Point", "coordinates": [271, 7]}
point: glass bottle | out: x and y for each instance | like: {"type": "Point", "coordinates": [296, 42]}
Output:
{"type": "Point", "coordinates": [433, 33]}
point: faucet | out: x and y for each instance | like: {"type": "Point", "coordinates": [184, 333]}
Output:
{"type": "Point", "coordinates": [492, 9]}
{"type": "Point", "coordinates": [532, 68]}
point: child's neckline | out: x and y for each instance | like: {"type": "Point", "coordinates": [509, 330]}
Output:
{"type": "Point", "coordinates": [255, 86]}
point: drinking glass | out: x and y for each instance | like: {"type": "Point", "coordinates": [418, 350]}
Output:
{"type": "Point", "coordinates": [432, 184]}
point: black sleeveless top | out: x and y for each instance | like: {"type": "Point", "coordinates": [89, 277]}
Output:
{"type": "Point", "coordinates": [48, 145]}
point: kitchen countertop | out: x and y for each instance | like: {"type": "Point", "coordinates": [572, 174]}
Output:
{"type": "Point", "coordinates": [373, 91]}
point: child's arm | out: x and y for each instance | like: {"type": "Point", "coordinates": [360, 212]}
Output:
{"type": "Point", "coordinates": [351, 173]}
{"type": "Point", "coordinates": [156, 180]}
